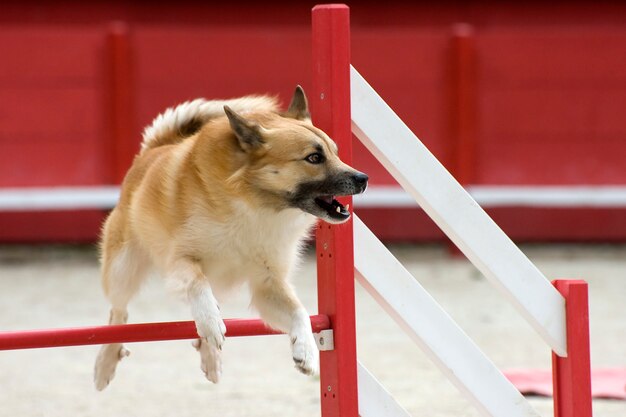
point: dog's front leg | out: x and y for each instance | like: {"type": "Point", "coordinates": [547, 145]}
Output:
{"type": "Point", "coordinates": [280, 308]}
{"type": "Point", "coordinates": [206, 314]}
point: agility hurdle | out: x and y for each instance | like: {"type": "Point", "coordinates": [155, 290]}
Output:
{"type": "Point", "coordinates": [342, 102]}
{"type": "Point", "coordinates": [559, 315]}
{"type": "Point", "coordinates": [140, 332]}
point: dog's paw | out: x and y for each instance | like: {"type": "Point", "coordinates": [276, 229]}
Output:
{"type": "Point", "coordinates": [210, 360]}
{"type": "Point", "coordinates": [106, 362]}
{"type": "Point", "coordinates": [213, 330]}
{"type": "Point", "coordinates": [305, 353]}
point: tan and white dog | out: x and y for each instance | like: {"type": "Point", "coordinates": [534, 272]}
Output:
{"type": "Point", "coordinates": [223, 193]}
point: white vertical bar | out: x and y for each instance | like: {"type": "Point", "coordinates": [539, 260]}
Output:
{"type": "Point", "coordinates": [432, 329]}
{"type": "Point", "coordinates": [457, 214]}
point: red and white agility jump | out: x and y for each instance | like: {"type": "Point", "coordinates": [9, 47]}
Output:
{"type": "Point", "coordinates": [342, 103]}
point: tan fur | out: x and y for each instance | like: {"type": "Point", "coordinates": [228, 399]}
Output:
{"type": "Point", "coordinates": [166, 127]}
{"type": "Point", "coordinates": [208, 215]}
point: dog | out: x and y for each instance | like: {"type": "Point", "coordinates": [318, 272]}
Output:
{"type": "Point", "coordinates": [224, 193]}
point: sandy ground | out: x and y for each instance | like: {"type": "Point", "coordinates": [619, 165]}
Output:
{"type": "Point", "coordinates": [46, 287]}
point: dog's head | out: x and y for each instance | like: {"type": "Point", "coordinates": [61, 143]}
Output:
{"type": "Point", "coordinates": [293, 162]}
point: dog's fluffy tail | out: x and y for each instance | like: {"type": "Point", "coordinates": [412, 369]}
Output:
{"type": "Point", "coordinates": [177, 123]}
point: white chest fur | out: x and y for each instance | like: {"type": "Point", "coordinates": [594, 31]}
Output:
{"type": "Point", "coordinates": [255, 244]}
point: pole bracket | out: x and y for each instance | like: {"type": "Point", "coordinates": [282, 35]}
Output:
{"type": "Point", "coordinates": [325, 340]}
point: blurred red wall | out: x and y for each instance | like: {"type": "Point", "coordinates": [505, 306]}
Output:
{"type": "Point", "coordinates": [526, 94]}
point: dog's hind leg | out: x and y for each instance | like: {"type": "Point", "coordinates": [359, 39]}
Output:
{"type": "Point", "coordinates": [123, 271]}
{"type": "Point", "coordinates": [110, 355]}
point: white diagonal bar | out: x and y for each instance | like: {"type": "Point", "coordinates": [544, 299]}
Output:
{"type": "Point", "coordinates": [457, 214]}
{"type": "Point", "coordinates": [433, 330]}
{"type": "Point", "coordinates": [374, 399]}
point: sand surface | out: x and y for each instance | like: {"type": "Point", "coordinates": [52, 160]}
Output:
{"type": "Point", "coordinates": [45, 287]}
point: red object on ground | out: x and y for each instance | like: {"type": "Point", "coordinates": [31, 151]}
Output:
{"type": "Point", "coordinates": [141, 332]}
{"type": "Point", "coordinates": [330, 107]}
{"type": "Point", "coordinates": [605, 383]}
{"type": "Point", "coordinates": [572, 374]}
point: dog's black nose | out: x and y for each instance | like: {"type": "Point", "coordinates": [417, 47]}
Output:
{"type": "Point", "coordinates": [360, 178]}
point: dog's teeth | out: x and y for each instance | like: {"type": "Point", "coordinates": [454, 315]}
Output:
{"type": "Point", "coordinates": [338, 209]}
{"type": "Point", "coordinates": [347, 207]}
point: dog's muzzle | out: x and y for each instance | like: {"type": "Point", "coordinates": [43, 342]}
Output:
{"type": "Point", "coordinates": [318, 197]}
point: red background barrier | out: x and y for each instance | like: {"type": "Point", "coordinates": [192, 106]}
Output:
{"type": "Point", "coordinates": [532, 94]}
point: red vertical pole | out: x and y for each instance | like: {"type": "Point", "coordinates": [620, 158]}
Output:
{"type": "Point", "coordinates": [330, 107]}
{"type": "Point", "coordinates": [463, 104]}
{"type": "Point", "coordinates": [572, 374]}
{"type": "Point", "coordinates": [123, 146]}
{"type": "Point", "coordinates": [462, 110]}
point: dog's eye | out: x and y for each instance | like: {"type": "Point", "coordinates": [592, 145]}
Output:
{"type": "Point", "coordinates": [315, 158]}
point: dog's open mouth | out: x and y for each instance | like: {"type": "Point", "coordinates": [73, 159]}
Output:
{"type": "Point", "coordinates": [332, 207]}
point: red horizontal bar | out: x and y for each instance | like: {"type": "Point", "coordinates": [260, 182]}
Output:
{"type": "Point", "coordinates": [141, 332]}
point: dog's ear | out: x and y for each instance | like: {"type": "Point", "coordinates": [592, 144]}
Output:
{"type": "Point", "coordinates": [299, 107]}
{"type": "Point", "coordinates": [248, 134]}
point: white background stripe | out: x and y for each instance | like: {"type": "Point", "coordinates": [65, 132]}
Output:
{"type": "Point", "coordinates": [500, 196]}
{"type": "Point", "coordinates": [58, 198]}
{"type": "Point", "coordinates": [105, 197]}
